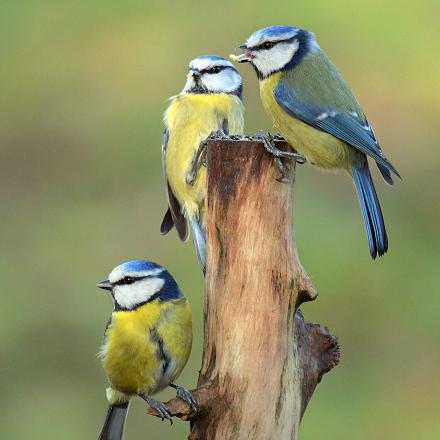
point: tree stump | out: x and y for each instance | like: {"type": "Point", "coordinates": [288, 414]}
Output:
{"type": "Point", "coordinates": [261, 360]}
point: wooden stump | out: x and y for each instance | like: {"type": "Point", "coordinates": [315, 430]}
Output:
{"type": "Point", "coordinates": [261, 361]}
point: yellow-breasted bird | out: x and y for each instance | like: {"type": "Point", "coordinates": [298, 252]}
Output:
{"type": "Point", "coordinates": [314, 108]}
{"type": "Point", "coordinates": [209, 102]}
{"type": "Point", "coordinates": [147, 341]}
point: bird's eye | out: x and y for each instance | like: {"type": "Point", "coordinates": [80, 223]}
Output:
{"type": "Point", "coordinates": [215, 69]}
{"type": "Point", "coordinates": [268, 45]}
{"type": "Point", "coordinates": [129, 280]}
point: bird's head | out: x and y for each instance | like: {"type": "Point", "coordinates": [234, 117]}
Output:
{"type": "Point", "coordinates": [213, 74]}
{"type": "Point", "coordinates": [137, 282]}
{"type": "Point", "coordinates": [276, 48]}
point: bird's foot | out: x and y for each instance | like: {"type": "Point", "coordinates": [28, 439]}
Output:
{"type": "Point", "coordinates": [203, 155]}
{"type": "Point", "coordinates": [269, 145]}
{"type": "Point", "coordinates": [160, 407]}
{"type": "Point", "coordinates": [284, 171]}
{"type": "Point", "coordinates": [199, 160]}
{"type": "Point", "coordinates": [279, 137]}
{"type": "Point", "coordinates": [218, 134]}
{"type": "Point", "coordinates": [238, 137]}
{"type": "Point", "coordinates": [186, 395]}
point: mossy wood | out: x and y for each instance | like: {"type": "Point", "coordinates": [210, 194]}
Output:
{"type": "Point", "coordinates": [261, 360]}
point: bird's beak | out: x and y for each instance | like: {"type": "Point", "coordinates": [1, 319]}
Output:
{"type": "Point", "coordinates": [243, 58]}
{"type": "Point", "coordinates": [194, 74]}
{"type": "Point", "coordinates": [106, 285]}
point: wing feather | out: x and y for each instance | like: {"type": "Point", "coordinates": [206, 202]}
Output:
{"type": "Point", "coordinates": [331, 107]}
{"type": "Point", "coordinates": [174, 215]}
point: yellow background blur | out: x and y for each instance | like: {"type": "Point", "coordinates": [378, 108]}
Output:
{"type": "Point", "coordinates": [83, 88]}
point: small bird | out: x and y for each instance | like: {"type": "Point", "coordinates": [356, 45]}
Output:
{"type": "Point", "coordinates": [209, 102]}
{"type": "Point", "coordinates": [313, 107]}
{"type": "Point", "coordinates": [147, 341]}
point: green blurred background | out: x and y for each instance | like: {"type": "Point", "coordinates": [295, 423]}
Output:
{"type": "Point", "coordinates": [83, 89]}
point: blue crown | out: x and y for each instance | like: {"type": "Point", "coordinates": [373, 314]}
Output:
{"type": "Point", "coordinates": [140, 265]}
{"type": "Point", "coordinates": [276, 31]}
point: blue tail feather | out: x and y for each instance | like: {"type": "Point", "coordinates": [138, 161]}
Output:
{"type": "Point", "coordinates": [371, 211]}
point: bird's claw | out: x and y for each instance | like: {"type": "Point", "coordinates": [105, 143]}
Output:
{"type": "Point", "coordinates": [237, 137]}
{"type": "Point", "coordinates": [279, 137]}
{"type": "Point", "coordinates": [200, 159]}
{"type": "Point", "coordinates": [218, 134]}
{"type": "Point", "coordinates": [203, 159]}
{"type": "Point", "coordinates": [160, 407]}
{"type": "Point", "coordinates": [269, 145]}
{"type": "Point", "coordinates": [187, 396]}
{"type": "Point", "coordinates": [284, 176]}
{"type": "Point", "coordinates": [300, 159]}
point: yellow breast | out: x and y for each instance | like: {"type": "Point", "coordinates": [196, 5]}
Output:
{"type": "Point", "coordinates": [190, 119]}
{"type": "Point", "coordinates": [319, 147]}
{"type": "Point", "coordinates": [145, 349]}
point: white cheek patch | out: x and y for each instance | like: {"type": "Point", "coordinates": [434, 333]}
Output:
{"type": "Point", "coordinates": [272, 60]}
{"type": "Point", "coordinates": [226, 81]}
{"type": "Point", "coordinates": [130, 295]}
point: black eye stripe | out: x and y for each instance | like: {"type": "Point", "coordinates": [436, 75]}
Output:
{"type": "Point", "coordinates": [266, 45]}
{"type": "Point", "coordinates": [271, 43]}
{"type": "Point", "coordinates": [214, 69]}
{"type": "Point", "coordinates": [129, 280]}
{"type": "Point", "coordinates": [217, 69]}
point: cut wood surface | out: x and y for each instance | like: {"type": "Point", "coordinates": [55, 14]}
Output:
{"type": "Point", "coordinates": [261, 360]}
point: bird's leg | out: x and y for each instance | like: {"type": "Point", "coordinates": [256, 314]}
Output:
{"type": "Point", "coordinates": [200, 156]}
{"type": "Point", "coordinates": [269, 144]}
{"type": "Point", "coordinates": [160, 407]}
{"type": "Point", "coordinates": [283, 178]}
{"type": "Point", "coordinates": [279, 155]}
{"type": "Point", "coordinates": [198, 160]}
{"type": "Point", "coordinates": [186, 395]}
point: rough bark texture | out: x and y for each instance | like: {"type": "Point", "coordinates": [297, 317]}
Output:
{"type": "Point", "coordinates": [261, 360]}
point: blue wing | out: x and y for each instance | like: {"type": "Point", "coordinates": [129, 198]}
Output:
{"type": "Point", "coordinates": [349, 125]}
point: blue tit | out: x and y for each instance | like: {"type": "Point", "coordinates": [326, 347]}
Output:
{"type": "Point", "coordinates": [209, 102]}
{"type": "Point", "coordinates": [313, 107]}
{"type": "Point", "coordinates": [147, 341]}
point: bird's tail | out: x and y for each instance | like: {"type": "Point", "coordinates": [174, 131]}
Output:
{"type": "Point", "coordinates": [113, 428]}
{"type": "Point", "coordinates": [199, 239]}
{"type": "Point", "coordinates": [374, 223]}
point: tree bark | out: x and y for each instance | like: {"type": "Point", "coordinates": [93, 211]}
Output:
{"type": "Point", "coordinates": [261, 361]}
